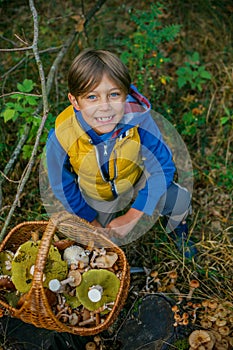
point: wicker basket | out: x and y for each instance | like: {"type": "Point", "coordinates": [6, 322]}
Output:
{"type": "Point", "coordinates": [36, 309]}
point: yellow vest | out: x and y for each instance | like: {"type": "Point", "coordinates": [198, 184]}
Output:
{"type": "Point", "coordinates": [125, 162]}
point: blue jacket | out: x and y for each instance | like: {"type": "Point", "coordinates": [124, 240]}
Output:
{"type": "Point", "coordinates": [156, 156]}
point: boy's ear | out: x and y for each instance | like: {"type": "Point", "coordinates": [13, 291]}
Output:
{"type": "Point", "coordinates": [73, 101]}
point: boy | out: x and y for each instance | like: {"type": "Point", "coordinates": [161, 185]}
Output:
{"type": "Point", "coordinates": [107, 161]}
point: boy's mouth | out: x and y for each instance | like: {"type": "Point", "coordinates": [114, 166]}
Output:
{"type": "Point", "coordinates": [104, 119]}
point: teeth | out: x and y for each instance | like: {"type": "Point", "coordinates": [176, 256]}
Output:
{"type": "Point", "coordinates": [104, 119]}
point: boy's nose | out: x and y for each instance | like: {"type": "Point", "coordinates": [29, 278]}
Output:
{"type": "Point", "coordinates": [105, 104]}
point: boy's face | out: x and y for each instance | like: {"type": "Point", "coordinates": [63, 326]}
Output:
{"type": "Point", "coordinates": [103, 107]}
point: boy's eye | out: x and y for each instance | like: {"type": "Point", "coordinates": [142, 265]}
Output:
{"type": "Point", "coordinates": [91, 97]}
{"type": "Point", "coordinates": [115, 94]}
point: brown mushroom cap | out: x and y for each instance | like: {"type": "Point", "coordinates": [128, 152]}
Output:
{"type": "Point", "coordinates": [194, 284]}
{"type": "Point", "coordinates": [224, 330]}
{"type": "Point", "coordinates": [154, 274]}
{"type": "Point", "coordinates": [212, 304]}
{"type": "Point", "coordinates": [91, 346]}
{"type": "Point", "coordinates": [173, 274]}
{"type": "Point", "coordinates": [198, 338]}
{"type": "Point", "coordinates": [77, 278]}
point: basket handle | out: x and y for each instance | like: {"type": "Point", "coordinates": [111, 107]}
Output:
{"type": "Point", "coordinates": [45, 243]}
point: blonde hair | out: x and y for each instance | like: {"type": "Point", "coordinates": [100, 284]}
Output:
{"type": "Point", "coordinates": [88, 68]}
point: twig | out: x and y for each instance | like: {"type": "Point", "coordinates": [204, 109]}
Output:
{"type": "Point", "coordinates": [17, 49]}
{"type": "Point", "coordinates": [14, 156]}
{"type": "Point", "coordinates": [30, 164]}
{"type": "Point", "coordinates": [19, 93]}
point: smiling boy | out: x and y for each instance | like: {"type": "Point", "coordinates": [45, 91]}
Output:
{"type": "Point", "coordinates": [107, 160]}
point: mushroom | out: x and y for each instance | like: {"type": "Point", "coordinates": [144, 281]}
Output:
{"type": "Point", "coordinates": [155, 278]}
{"type": "Point", "coordinates": [220, 322]}
{"type": "Point", "coordinates": [212, 304]}
{"type": "Point", "coordinates": [90, 246]}
{"type": "Point", "coordinates": [95, 293]}
{"type": "Point", "coordinates": [175, 308]}
{"type": "Point", "coordinates": [185, 322]}
{"type": "Point", "coordinates": [74, 254]}
{"type": "Point", "coordinates": [173, 276]}
{"type": "Point", "coordinates": [221, 346]}
{"type": "Point", "coordinates": [97, 340]}
{"type": "Point", "coordinates": [193, 285]}
{"type": "Point", "coordinates": [173, 289]}
{"type": "Point", "coordinates": [6, 258]}
{"type": "Point", "coordinates": [74, 279]}
{"type": "Point", "coordinates": [205, 323]}
{"type": "Point", "coordinates": [88, 321]}
{"type": "Point", "coordinates": [90, 346]}
{"type": "Point", "coordinates": [105, 261]}
{"type": "Point", "coordinates": [107, 280]}
{"type": "Point", "coordinates": [200, 338]}
{"type": "Point", "coordinates": [204, 303]}
{"type": "Point", "coordinates": [224, 330]}
{"type": "Point", "coordinates": [25, 258]}
{"type": "Point", "coordinates": [63, 243]}
{"type": "Point", "coordinates": [77, 278]}
{"type": "Point", "coordinates": [73, 319]}
{"type": "Point", "coordinates": [6, 283]}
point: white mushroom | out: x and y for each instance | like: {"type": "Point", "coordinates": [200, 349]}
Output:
{"type": "Point", "coordinates": [74, 254]}
{"type": "Point", "coordinates": [105, 261]}
{"type": "Point", "coordinates": [95, 293]}
{"type": "Point", "coordinates": [58, 286]}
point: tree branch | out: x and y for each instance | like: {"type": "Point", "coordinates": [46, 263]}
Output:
{"type": "Point", "coordinates": [46, 87]}
{"type": "Point", "coordinates": [30, 164]}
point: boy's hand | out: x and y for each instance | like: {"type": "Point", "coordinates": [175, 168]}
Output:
{"type": "Point", "coordinates": [122, 225]}
{"type": "Point", "coordinates": [96, 223]}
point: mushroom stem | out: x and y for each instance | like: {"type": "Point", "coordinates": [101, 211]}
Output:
{"type": "Point", "coordinates": [88, 321]}
{"type": "Point", "coordinates": [192, 285]}
{"type": "Point", "coordinates": [95, 293]}
{"type": "Point", "coordinates": [57, 286]}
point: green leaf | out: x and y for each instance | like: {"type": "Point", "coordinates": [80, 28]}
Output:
{"type": "Point", "coordinates": [26, 86]}
{"type": "Point", "coordinates": [8, 114]}
{"type": "Point", "coordinates": [205, 74]}
{"type": "Point", "coordinates": [181, 81]}
{"type": "Point", "coordinates": [31, 100]}
{"type": "Point", "coordinates": [195, 57]}
{"type": "Point", "coordinates": [224, 120]}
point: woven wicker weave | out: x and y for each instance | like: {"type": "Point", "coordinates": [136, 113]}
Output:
{"type": "Point", "coordinates": [36, 309]}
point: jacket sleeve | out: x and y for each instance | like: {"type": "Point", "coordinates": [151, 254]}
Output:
{"type": "Point", "coordinates": [64, 182]}
{"type": "Point", "coordinates": [159, 166]}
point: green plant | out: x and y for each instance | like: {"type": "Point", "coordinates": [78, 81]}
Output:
{"type": "Point", "coordinates": [145, 53]}
{"type": "Point", "coordinates": [21, 110]}
{"type": "Point", "coordinates": [181, 344]}
{"type": "Point", "coordinates": [193, 73]}
{"type": "Point", "coordinates": [23, 104]}
{"type": "Point", "coordinates": [227, 118]}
